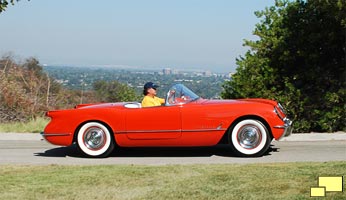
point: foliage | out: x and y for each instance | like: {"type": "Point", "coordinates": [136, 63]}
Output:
{"type": "Point", "coordinates": [32, 126]}
{"type": "Point", "coordinates": [114, 91]}
{"type": "Point", "coordinates": [298, 60]}
{"type": "Point", "coordinates": [4, 4]}
{"type": "Point", "coordinates": [26, 91]}
{"type": "Point", "coordinates": [21, 89]}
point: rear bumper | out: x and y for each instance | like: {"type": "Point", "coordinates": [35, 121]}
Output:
{"type": "Point", "coordinates": [62, 139]}
{"type": "Point", "coordinates": [44, 135]}
{"type": "Point", "coordinates": [288, 128]}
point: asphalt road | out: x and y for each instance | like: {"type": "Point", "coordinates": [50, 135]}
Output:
{"type": "Point", "coordinates": [32, 150]}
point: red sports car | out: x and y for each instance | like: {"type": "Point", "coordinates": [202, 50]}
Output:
{"type": "Point", "coordinates": [186, 120]}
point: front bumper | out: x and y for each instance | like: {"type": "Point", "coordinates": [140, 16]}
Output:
{"type": "Point", "coordinates": [288, 128]}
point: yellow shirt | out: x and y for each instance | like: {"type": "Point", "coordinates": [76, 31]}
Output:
{"type": "Point", "coordinates": [152, 101]}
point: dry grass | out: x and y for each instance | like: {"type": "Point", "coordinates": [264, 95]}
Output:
{"type": "Point", "coordinates": [34, 126]}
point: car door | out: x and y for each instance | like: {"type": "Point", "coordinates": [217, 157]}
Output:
{"type": "Point", "coordinates": [203, 125]}
{"type": "Point", "coordinates": [153, 123]}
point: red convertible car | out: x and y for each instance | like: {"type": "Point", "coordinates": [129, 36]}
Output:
{"type": "Point", "coordinates": [186, 120]}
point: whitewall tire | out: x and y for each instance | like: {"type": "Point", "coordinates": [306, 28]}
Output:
{"type": "Point", "coordinates": [95, 140]}
{"type": "Point", "coordinates": [249, 137]}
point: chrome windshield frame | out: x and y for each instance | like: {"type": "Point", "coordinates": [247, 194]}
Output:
{"type": "Point", "coordinates": [179, 94]}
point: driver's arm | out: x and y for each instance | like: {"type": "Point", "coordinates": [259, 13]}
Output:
{"type": "Point", "coordinates": [162, 101]}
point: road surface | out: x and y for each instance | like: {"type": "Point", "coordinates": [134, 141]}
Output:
{"type": "Point", "coordinates": [25, 150]}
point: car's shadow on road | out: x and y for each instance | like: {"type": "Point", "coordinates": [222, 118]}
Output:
{"type": "Point", "coordinates": [218, 150]}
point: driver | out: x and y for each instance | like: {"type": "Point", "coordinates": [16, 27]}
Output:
{"type": "Point", "coordinates": [150, 98]}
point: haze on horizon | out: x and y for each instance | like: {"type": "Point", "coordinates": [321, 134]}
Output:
{"type": "Point", "coordinates": [180, 34]}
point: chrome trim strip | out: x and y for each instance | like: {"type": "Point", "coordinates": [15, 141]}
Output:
{"type": "Point", "coordinates": [204, 130]}
{"type": "Point", "coordinates": [55, 134]}
{"type": "Point", "coordinates": [281, 127]}
{"type": "Point", "coordinates": [170, 131]}
{"type": "Point", "coordinates": [148, 131]}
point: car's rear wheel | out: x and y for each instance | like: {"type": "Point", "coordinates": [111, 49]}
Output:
{"type": "Point", "coordinates": [249, 137]}
{"type": "Point", "coordinates": [95, 140]}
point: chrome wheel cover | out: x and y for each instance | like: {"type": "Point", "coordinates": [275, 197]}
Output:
{"type": "Point", "coordinates": [249, 136]}
{"type": "Point", "coordinates": [94, 138]}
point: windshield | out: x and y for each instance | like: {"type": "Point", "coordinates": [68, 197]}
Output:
{"type": "Point", "coordinates": [179, 94]}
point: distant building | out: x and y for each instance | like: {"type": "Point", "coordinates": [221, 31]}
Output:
{"type": "Point", "coordinates": [207, 73]}
{"type": "Point", "coordinates": [167, 71]}
{"type": "Point", "coordinates": [175, 71]}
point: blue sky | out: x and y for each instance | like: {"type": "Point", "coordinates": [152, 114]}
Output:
{"type": "Point", "coordinates": [182, 34]}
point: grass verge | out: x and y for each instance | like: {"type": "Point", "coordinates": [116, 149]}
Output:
{"type": "Point", "coordinates": [33, 126]}
{"type": "Point", "coordinates": [220, 181]}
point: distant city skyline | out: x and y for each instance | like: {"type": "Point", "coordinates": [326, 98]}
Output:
{"type": "Point", "coordinates": [180, 34]}
{"type": "Point", "coordinates": [158, 70]}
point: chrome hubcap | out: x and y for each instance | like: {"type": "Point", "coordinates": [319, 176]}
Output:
{"type": "Point", "coordinates": [249, 137]}
{"type": "Point", "coordinates": [94, 138]}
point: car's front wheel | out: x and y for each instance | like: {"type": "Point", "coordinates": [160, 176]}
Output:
{"type": "Point", "coordinates": [95, 140]}
{"type": "Point", "coordinates": [249, 137]}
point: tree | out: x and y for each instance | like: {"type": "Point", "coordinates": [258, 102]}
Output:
{"type": "Point", "coordinates": [114, 91]}
{"type": "Point", "coordinates": [26, 91]}
{"type": "Point", "coordinates": [299, 60]}
{"type": "Point", "coordinates": [4, 4]}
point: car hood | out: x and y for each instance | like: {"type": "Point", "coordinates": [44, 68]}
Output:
{"type": "Point", "coordinates": [241, 101]}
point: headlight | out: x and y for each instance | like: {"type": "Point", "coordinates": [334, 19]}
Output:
{"type": "Point", "coordinates": [282, 108]}
{"type": "Point", "coordinates": [280, 111]}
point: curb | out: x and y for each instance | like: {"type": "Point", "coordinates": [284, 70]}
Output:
{"type": "Point", "coordinates": [20, 136]}
{"type": "Point", "coordinates": [302, 137]}
{"type": "Point", "coordinates": [294, 137]}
